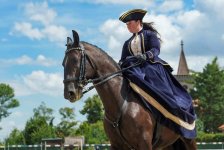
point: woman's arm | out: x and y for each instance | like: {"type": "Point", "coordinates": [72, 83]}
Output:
{"type": "Point", "coordinates": [124, 51]}
{"type": "Point", "coordinates": [153, 45]}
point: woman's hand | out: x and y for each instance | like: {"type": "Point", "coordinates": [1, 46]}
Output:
{"type": "Point", "coordinates": [149, 55]}
{"type": "Point", "coordinates": [141, 57]}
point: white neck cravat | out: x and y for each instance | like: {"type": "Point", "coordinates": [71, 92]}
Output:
{"type": "Point", "coordinates": [136, 45]}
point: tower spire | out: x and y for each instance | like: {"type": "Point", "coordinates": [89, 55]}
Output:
{"type": "Point", "coordinates": [182, 45]}
{"type": "Point", "coordinates": [182, 68]}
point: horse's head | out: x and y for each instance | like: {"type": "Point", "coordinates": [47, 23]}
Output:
{"type": "Point", "coordinates": [76, 69]}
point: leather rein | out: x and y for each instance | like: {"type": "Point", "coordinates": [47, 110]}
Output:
{"type": "Point", "coordinates": [82, 81]}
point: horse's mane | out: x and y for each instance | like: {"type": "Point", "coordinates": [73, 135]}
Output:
{"type": "Point", "coordinates": [103, 52]}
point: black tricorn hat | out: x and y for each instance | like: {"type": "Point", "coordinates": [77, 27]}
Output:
{"type": "Point", "coordinates": [134, 14]}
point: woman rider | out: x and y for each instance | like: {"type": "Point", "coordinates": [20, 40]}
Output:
{"type": "Point", "coordinates": [154, 74]}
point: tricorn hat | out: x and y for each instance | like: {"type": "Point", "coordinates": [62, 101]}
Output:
{"type": "Point", "coordinates": [134, 14]}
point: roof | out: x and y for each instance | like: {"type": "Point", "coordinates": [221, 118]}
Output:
{"type": "Point", "coordinates": [221, 127]}
{"type": "Point", "coordinates": [182, 68]}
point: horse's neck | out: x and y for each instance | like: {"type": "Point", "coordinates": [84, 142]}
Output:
{"type": "Point", "coordinates": [111, 96]}
{"type": "Point", "coordinates": [111, 91]}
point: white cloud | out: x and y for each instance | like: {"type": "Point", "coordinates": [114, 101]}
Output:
{"type": "Point", "coordinates": [22, 60]}
{"type": "Point", "coordinates": [135, 3]}
{"type": "Point", "coordinates": [38, 82]}
{"type": "Point", "coordinates": [191, 19]}
{"type": "Point", "coordinates": [17, 61]}
{"type": "Point", "coordinates": [26, 60]}
{"type": "Point", "coordinates": [213, 8]}
{"type": "Point", "coordinates": [26, 29]}
{"type": "Point", "coordinates": [7, 127]}
{"type": "Point", "coordinates": [113, 43]}
{"type": "Point", "coordinates": [44, 83]}
{"type": "Point", "coordinates": [199, 62]}
{"type": "Point", "coordinates": [55, 33]}
{"type": "Point", "coordinates": [40, 13]}
{"type": "Point", "coordinates": [170, 33]}
{"type": "Point", "coordinates": [170, 5]}
{"type": "Point", "coordinates": [42, 60]}
{"type": "Point", "coordinates": [116, 34]}
{"type": "Point", "coordinates": [10, 123]}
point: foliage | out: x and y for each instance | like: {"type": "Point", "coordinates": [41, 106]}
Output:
{"type": "Point", "coordinates": [199, 125]}
{"type": "Point", "coordinates": [93, 108]}
{"type": "Point", "coordinates": [7, 100]}
{"type": "Point", "coordinates": [92, 129]}
{"type": "Point", "coordinates": [93, 133]}
{"type": "Point", "coordinates": [209, 89]}
{"type": "Point", "coordinates": [40, 125]}
{"type": "Point", "coordinates": [66, 126]}
{"type": "Point", "coordinates": [210, 137]}
{"type": "Point", "coordinates": [37, 128]}
{"type": "Point", "coordinates": [44, 111]}
{"type": "Point", "coordinates": [16, 137]}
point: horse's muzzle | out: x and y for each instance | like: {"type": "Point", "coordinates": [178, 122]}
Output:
{"type": "Point", "coordinates": [72, 94]}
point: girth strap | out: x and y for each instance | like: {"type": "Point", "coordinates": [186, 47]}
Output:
{"type": "Point", "coordinates": [116, 123]}
{"type": "Point", "coordinates": [116, 126]}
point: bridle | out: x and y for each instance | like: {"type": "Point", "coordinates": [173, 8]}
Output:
{"type": "Point", "coordinates": [82, 81]}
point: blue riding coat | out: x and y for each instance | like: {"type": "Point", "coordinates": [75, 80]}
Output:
{"type": "Point", "coordinates": [154, 77]}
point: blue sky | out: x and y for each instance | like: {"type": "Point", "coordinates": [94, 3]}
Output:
{"type": "Point", "coordinates": [33, 36]}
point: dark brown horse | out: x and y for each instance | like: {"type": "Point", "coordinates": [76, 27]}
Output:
{"type": "Point", "coordinates": [127, 123]}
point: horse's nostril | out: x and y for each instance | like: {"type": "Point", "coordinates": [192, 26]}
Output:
{"type": "Point", "coordinates": [71, 93]}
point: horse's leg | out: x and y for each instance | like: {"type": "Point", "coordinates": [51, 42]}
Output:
{"type": "Point", "coordinates": [145, 143]}
{"type": "Point", "coordinates": [183, 144]}
{"type": "Point", "coordinates": [177, 145]}
{"type": "Point", "coordinates": [190, 144]}
{"type": "Point", "coordinates": [167, 137]}
{"type": "Point", "coordinates": [113, 147]}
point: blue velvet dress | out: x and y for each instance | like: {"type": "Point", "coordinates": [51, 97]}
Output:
{"type": "Point", "coordinates": [155, 78]}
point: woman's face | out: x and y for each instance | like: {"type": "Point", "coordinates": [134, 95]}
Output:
{"type": "Point", "coordinates": [133, 26]}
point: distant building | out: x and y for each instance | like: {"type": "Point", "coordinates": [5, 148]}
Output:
{"type": "Point", "coordinates": [183, 75]}
{"type": "Point", "coordinates": [221, 128]}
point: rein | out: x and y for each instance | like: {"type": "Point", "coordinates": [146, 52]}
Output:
{"type": "Point", "coordinates": [82, 81]}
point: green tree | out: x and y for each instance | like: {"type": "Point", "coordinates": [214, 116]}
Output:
{"type": "Point", "coordinates": [16, 137]}
{"type": "Point", "coordinates": [93, 109]}
{"type": "Point", "coordinates": [45, 112]}
{"type": "Point", "coordinates": [209, 89]}
{"type": "Point", "coordinates": [67, 124]}
{"type": "Point", "coordinates": [7, 100]}
{"type": "Point", "coordinates": [37, 128]}
{"type": "Point", "coordinates": [93, 133]}
{"type": "Point", "coordinates": [40, 125]}
{"type": "Point", "coordinates": [93, 128]}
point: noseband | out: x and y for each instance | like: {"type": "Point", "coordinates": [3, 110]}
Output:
{"type": "Point", "coordinates": [82, 81]}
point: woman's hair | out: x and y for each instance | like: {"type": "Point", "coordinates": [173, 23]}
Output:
{"type": "Point", "coordinates": [149, 26]}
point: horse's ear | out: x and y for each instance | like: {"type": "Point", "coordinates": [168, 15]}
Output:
{"type": "Point", "coordinates": [69, 42]}
{"type": "Point", "coordinates": [75, 38]}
